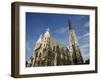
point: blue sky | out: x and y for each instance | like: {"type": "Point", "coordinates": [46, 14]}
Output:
{"type": "Point", "coordinates": [37, 23]}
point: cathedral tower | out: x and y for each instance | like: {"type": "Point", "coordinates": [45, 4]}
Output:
{"type": "Point", "coordinates": [43, 52]}
{"type": "Point", "coordinates": [74, 48]}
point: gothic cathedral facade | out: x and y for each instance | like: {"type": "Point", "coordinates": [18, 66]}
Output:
{"type": "Point", "coordinates": [48, 52]}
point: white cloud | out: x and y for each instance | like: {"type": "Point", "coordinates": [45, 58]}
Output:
{"type": "Point", "coordinates": [85, 51]}
{"type": "Point", "coordinates": [86, 24]}
{"type": "Point", "coordinates": [84, 41]}
{"type": "Point", "coordinates": [85, 46]}
{"type": "Point", "coordinates": [83, 36]}
{"type": "Point", "coordinates": [27, 46]}
{"type": "Point", "coordinates": [62, 30]}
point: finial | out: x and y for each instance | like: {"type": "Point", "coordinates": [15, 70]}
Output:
{"type": "Point", "coordinates": [69, 24]}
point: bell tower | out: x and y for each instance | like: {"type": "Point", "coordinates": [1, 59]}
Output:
{"type": "Point", "coordinates": [75, 53]}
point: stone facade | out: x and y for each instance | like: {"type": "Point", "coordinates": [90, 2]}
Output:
{"type": "Point", "coordinates": [48, 52]}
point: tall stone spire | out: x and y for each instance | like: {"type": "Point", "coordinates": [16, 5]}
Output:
{"type": "Point", "coordinates": [74, 48]}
